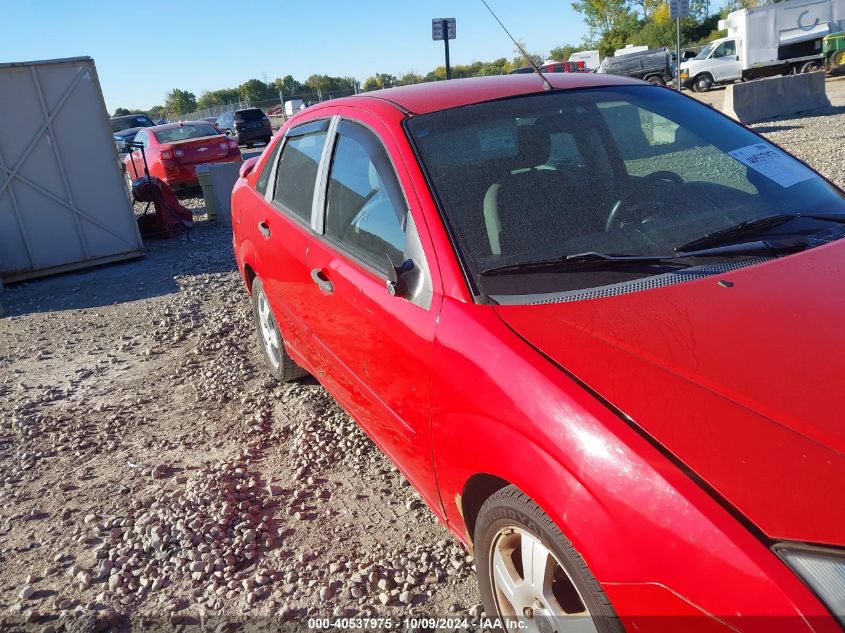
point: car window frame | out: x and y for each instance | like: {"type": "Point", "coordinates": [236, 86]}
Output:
{"type": "Point", "coordinates": [294, 132]}
{"type": "Point", "coordinates": [323, 202]}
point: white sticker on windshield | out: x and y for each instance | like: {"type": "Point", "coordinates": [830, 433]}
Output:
{"type": "Point", "coordinates": [773, 164]}
{"type": "Point", "coordinates": [496, 139]}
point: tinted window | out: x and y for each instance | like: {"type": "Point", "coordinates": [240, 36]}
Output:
{"type": "Point", "coordinates": [364, 210]}
{"type": "Point", "coordinates": [264, 176]}
{"type": "Point", "coordinates": [297, 173]}
{"type": "Point", "coordinates": [254, 114]}
{"type": "Point", "coordinates": [141, 137]}
{"type": "Point", "coordinates": [185, 132]}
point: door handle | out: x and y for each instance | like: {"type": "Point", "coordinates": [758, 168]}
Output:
{"type": "Point", "coordinates": [321, 280]}
{"type": "Point", "coordinates": [264, 228]}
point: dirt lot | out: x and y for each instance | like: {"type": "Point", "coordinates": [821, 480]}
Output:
{"type": "Point", "coordinates": [151, 475]}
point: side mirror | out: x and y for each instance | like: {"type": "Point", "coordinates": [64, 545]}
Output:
{"type": "Point", "coordinates": [402, 279]}
{"type": "Point", "coordinates": [248, 166]}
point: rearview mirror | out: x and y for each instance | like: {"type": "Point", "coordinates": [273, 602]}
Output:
{"type": "Point", "coordinates": [403, 279]}
{"type": "Point", "coordinates": [248, 166]}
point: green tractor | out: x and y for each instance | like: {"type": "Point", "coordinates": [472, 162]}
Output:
{"type": "Point", "coordinates": [833, 49]}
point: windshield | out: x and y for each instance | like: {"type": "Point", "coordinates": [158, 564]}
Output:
{"type": "Point", "coordinates": [126, 122]}
{"type": "Point", "coordinates": [185, 132]}
{"type": "Point", "coordinates": [705, 52]}
{"type": "Point", "coordinates": [632, 170]}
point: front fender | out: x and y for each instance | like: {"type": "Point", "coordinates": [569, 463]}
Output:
{"type": "Point", "coordinates": [501, 407]}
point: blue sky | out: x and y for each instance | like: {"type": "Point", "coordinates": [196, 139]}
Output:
{"type": "Point", "coordinates": [144, 48]}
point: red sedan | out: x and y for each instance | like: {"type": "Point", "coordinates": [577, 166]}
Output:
{"type": "Point", "coordinates": [174, 150]}
{"type": "Point", "coordinates": [599, 328]}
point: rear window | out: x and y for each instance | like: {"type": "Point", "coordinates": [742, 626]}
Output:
{"type": "Point", "coordinates": [173, 134]}
{"type": "Point", "coordinates": [124, 123]}
{"type": "Point", "coordinates": [254, 114]}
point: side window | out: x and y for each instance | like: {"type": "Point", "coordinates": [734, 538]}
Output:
{"type": "Point", "coordinates": [726, 49]}
{"type": "Point", "coordinates": [141, 137]}
{"type": "Point", "coordinates": [297, 173]}
{"type": "Point", "coordinates": [365, 209]}
{"type": "Point", "coordinates": [264, 176]}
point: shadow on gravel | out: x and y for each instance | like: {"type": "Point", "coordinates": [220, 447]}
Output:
{"type": "Point", "coordinates": [810, 114]}
{"type": "Point", "coordinates": [770, 129]}
{"type": "Point", "coordinates": [207, 250]}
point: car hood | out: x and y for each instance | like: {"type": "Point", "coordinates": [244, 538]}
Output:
{"type": "Point", "coordinates": [739, 375]}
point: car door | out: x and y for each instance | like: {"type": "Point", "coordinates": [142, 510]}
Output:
{"type": "Point", "coordinates": [725, 62]}
{"type": "Point", "coordinates": [376, 348]}
{"type": "Point", "coordinates": [283, 230]}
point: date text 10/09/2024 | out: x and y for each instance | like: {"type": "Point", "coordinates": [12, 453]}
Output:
{"type": "Point", "coordinates": [416, 623]}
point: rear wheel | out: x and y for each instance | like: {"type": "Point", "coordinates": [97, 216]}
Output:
{"type": "Point", "coordinates": [528, 569]}
{"type": "Point", "coordinates": [837, 61]}
{"type": "Point", "coordinates": [282, 366]}
{"type": "Point", "coordinates": [811, 67]}
{"type": "Point", "coordinates": [657, 80]}
{"type": "Point", "coordinates": [703, 83]}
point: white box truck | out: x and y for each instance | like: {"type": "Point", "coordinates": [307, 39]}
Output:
{"type": "Point", "coordinates": [293, 106]}
{"type": "Point", "coordinates": [776, 39]}
{"type": "Point", "coordinates": [591, 59]}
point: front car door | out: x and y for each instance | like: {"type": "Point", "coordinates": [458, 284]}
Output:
{"type": "Point", "coordinates": [725, 62]}
{"type": "Point", "coordinates": [376, 347]}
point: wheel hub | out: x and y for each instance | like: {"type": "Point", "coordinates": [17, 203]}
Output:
{"type": "Point", "coordinates": [530, 582]}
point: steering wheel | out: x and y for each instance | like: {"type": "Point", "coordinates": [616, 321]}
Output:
{"type": "Point", "coordinates": [624, 201]}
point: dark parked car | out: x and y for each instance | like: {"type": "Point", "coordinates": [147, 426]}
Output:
{"type": "Point", "coordinates": [656, 65]}
{"type": "Point", "coordinates": [246, 126]}
{"type": "Point", "coordinates": [124, 128]}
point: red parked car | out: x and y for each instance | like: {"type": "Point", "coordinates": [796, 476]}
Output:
{"type": "Point", "coordinates": [174, 150]}
{"type": "Point", "coordinates": [599, 328]}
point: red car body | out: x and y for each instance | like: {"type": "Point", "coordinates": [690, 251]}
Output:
{"type": "Point", "coordinates": [671, 434]}
{"type": "Point", "coordinates": [175, 162]}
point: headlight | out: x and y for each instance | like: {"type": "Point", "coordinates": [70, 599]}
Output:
{"type": "Point", "coordinates": [824, 572]}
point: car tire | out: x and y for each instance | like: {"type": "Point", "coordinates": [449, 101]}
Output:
{"type": "Point", "coordinates": [811, 67]}
{"type": "Point", "coordinates": [656, 80]}
{"type": "Point", "coordinates": [702, 83]}
{"type": "Point", "coordinates": [508, 524]}
{"type": "Point", "coordinates": [282, 366]}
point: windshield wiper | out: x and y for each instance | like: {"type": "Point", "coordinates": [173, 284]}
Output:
{"type": "Point", "coordinates": [726, 235]}
{"type": "Point", "coordinates": [593, 259]}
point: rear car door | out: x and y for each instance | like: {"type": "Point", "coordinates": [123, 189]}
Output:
{"type": "Point", "coordinates": [376, 348]}
{"type": "Point", "coordinates": [283, 230]}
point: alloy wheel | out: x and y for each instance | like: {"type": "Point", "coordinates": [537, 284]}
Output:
{"type": "Point", "coordinates": [269, 331]}
{"type": "Point", "coordinates": [530, 583]}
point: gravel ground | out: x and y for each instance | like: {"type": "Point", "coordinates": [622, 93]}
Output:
{"type": "Point", "coordinates": [151, 475]}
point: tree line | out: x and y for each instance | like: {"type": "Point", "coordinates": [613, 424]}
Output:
{"type": "Point", "coordinates": [611, 25]}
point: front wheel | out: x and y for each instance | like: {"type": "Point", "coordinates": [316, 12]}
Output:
{"type": "Point", "coordinates": [528, 569]}
{"type": "Point", "coordinates": [282, 366]}
{"type": "Point", "coordinates": [703, 83]}
{"type": "Point", "coordinates": [656, 80]}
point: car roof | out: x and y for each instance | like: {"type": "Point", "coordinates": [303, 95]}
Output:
{"type": "Point", "coordinates": [432, 96]}
{"type": "Point", "coordinates": [247, 109]}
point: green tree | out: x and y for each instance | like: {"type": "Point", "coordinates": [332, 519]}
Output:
{"type": "Point", "coordinates": [288, 86]}
{"type": "Point", "coordinates": [121, 112]}
{"type": "Point", "coordinates": [379, 81]}
{"type": "Point", "coordinates": [223, 96]}
{"type": "Point", "coordinates": [156, 112]}
{"type": "Point", "coordinates": [180, 101]}
{"type": "Point", "coordinates": [602, 16]}
{"type": "Point", "coordinates": [255, 91]}
{"type": "Point", "coordinates": [410, 78]}
{"type": "Point", "coordinates": [563, 52]}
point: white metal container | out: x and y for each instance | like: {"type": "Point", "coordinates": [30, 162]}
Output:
{"type": "Point", "coordinates": [63, 202]}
